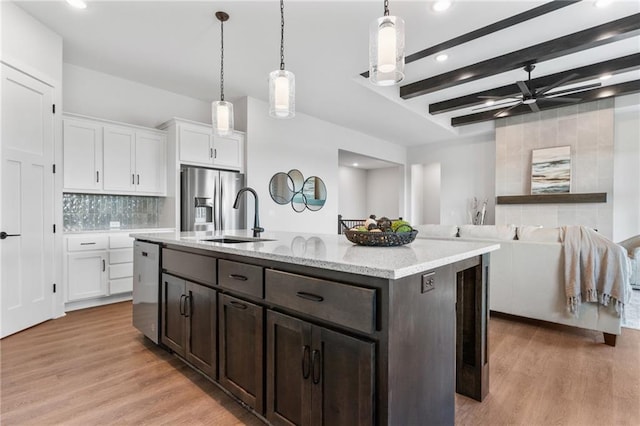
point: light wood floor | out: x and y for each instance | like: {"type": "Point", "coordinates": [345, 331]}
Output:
{"type": "Point", "coordinates": [93, 368]}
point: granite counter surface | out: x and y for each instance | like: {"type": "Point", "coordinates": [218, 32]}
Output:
{"type": "Point", "coordinates": [333, 252]}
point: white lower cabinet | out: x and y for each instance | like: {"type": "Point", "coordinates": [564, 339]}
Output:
{"type": "Point", "coordinates": [86, 275]}
{"type": "Point", "coordinates": [97, 266]}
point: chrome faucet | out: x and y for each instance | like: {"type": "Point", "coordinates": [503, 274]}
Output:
{"type": "Point", "coordinates": [256, 217]}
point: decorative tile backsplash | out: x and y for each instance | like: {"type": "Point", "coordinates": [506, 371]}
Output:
{"type": "Point", "coordinates": [90, 212]}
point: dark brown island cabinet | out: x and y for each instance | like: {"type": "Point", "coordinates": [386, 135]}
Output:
{"type": "Point", "coordinates": [302, 345]}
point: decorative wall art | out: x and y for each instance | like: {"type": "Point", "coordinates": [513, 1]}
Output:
{"type": "Point", "coordinates": [292, 188]}
{"type": "Point", "coordinates": [551, 170]}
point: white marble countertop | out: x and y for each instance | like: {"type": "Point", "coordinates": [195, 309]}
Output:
{"type": "Point", "coordinates": [333, 252]}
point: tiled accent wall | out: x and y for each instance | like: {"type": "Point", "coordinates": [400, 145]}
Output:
{"type": "Point", "coordinates": [589, 130]}
{"type": "Point", "coordinates": [89, 212]}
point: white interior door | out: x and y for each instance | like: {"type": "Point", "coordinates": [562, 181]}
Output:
{"type": "Point", "coordinates": [26, 210]}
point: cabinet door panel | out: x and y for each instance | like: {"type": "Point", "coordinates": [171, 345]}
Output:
{"type": "Point", "coordinates": [228, 150]}
{"type": "Point", "coordinates": [241, 350]}
{"type": "Point", "coordinates": [173, 322]}
{"type": "Point", "coordinates": [200, 312]}
{"type": "Point", "coordinates": [86, 275]}
{"type": "Point", "coordinates": [150, 163]}
{"type": "Point", "coordinates": [344, 392]}
{"type": "Point", "coordinates": [195, 144]}
{"type": "Point", "coordinates": [82, 155]}
{"type": "Point", "coordinates": [118, 159]}
{"type": "Point", "coordinates": [288, 387]}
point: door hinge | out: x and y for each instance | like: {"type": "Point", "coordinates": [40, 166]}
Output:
{"type": "Point", "coordinates": [54, 228]}
{"type": "Point", "coordinates": [54, 287]}
{"type": "Point", "coordinates": [54, 108]}
{"type": "Point", "coordinates": [54, 169]}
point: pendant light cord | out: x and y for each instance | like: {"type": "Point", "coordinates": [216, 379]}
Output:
{"type": "Point", "coordinates": [222, 60]}
{"type": "Point", "coordinates": [386, 7]}
{"type": "Point", "coordinates": [282, 35]}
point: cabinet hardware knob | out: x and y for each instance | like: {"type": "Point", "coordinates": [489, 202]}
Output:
{"type": "Point", "coordinates": [133, 179]}
{"type": "Point", "coordinates": [87, 244]}
{"type": "Point", "coordinates": [138, 176]}
{"type": "Point", "coordinates": [316, 366]}
{"type": "Point", "coordinates": [104, 265]}
{"type": "Point", "coordinates": [238, 305]}
{"type": "Point", "coordinates": [97, 177]}
{"type": "Point", "coordinates": [187, 305]}
{"type": "Point", "coordinates": [238, 277]}
{"type": "Point", "coordinates": [306, 367]}
{"type": "Point", "coordinates": [309, 296]}
{"type": "Point", "coordinates": [181, 305]}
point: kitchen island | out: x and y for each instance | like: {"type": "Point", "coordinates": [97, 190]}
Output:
{"type": "Point", "coordinates": [310, 329]}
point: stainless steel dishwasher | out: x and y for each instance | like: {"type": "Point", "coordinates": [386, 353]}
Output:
{"type": "Point", "coordinates": [146, 289]}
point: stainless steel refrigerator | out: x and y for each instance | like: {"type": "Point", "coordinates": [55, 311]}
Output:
{"type": "Point", "coordinates": [207, 196]}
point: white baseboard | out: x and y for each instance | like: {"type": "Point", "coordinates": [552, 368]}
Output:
{"type": "Point", "coordinates": [90, 303]}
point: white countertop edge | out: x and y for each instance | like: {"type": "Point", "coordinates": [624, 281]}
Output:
{"type": "Point", "coordinates": [386, 273]}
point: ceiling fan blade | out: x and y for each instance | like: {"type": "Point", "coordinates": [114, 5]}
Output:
{"type": "Point", "coordinates": [495, 105]}
{"type": "Point", "coordinates": [523, 88]}
{"type": "Point", "coordinates": [563, 99]}
{"type": "Point", "coordinates": [501, 112]}
{"type": "Point", "coordinates": [534, 107]}
{"type": "Point", "coordinates": [557, 83]}
{"type": "Point", "coordinates": [576, 89]}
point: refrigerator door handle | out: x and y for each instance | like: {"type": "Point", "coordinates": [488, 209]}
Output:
{"type": "Point", "coordinates": [220, 205]}
{"type": "Point", "coordinates": [216, 204]}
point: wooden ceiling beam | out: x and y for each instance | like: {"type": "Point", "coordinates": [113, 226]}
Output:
{"type": "Point", "coordinates": [612, 66]}
{"type": "Point", "coordinates": [486, 30]}
{"type": "Point", "coordinates": [588, 96]}
{"type": "Point", "coordinates": [610, 32]}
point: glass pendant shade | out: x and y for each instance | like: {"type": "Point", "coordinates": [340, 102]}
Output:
{"type": "Point", "coordinates": [282, 94]}
{"type": "Point", "coordinates": [222, 117]}
{"type": "Point", "coordinates": [386, 51]}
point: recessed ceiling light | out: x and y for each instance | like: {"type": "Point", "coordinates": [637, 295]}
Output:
{"type": "Point", "coordinates": [442, 57]}
{"type": "Point", "coordinates": [355, 164]}
{"type": "Point", "coordinates": [78, 4]}
{"type": "Point", "coordinates": [442, 5]}
{"type": "Point", "coordinates": [605, 76]}
{"type": "Point", "coordinates": [490, 102]}
{"type": "Point", "coordinates": [602, 3]}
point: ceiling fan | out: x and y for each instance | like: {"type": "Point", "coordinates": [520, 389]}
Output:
{"type": "Point", "coordinates": [530, 95]}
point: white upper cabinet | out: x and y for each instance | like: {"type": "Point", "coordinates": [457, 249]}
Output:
{"type": "Point", "coordinates": [82, 158]}
{"type": "Point", "coordinates": [198, 146]}
{"type": "Point", "coordinates": [119, 159]}
{"type": "Point", "coordinates": [113, 158]}
{"type": "Point", "coordinates": [150, 163]}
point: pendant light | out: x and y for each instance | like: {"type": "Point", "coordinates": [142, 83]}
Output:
{"type": "Point", "coordinates": [386, 49]}
{"type": "Point", "coordinates": [222, 111]}
{"type": "Point", "coordinates": [282, 83]}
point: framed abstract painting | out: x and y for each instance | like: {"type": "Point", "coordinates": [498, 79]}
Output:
{"type": "Point", "coordinates": [551, 170]}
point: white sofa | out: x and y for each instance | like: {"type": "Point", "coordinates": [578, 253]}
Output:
{"type": "Point", "coordinates": [526, 276]}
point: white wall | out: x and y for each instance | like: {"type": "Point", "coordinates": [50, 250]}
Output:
{"type": "Point", "coordinates": [96, 94]}
{"type": "Point", "coordinates": [34, 49]}
{"type": "Point", "coordinates": [626, 168]}
{"type": "Point", "coordinates": [467, 170]}
{"type": "Point", "coordinates": [352, 200]}
{"type": "Point", "coordinates": [432, 192]}
{"type": "Point", "coordinates": [416, 195]}
{"type": "Point", "coordinates": [383, 192]}
{"type": "Point", "coordinates": [310, 145]}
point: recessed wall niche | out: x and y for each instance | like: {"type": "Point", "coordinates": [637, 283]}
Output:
{"type": "Point", "coordinates": [589, 130]}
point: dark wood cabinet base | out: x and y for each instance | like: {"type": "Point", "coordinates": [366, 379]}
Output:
{"type": "Point", "coordinates": [609, 339]}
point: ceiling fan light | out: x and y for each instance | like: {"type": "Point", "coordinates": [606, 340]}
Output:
{"type": "Point", "coordinates": [78, 4]}
{"type": "Point", "coordinates": [386, 51]}
{"type": "Point", "coordinates": [602, 3]}
{"type": "Point", "coordinates": [282, 94]}
{"type": "Point", "coordinates": [441, 5]}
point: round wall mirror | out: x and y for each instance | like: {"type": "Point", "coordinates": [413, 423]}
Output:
{"type": "Point", "coordinates": [315, 193]}
{"type": "Point", "coordinates": [297, 179]}
{"type": "Point", "coordinates": [281, 188]}
{"type": "Point", "coordinates": [299, 202]}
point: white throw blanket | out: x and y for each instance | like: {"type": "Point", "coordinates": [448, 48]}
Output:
{"type": "Point", "coordinates": [596, 269]}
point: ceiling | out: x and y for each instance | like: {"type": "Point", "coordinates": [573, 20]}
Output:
{"type": "Point", "coordinates": [364, 162]}
{"type": "Point", "coordinates": [175, 45]}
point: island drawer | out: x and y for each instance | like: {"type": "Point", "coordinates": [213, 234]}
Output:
{"type": "Point", "coordinates": [190, 266]}
{"type": "Point", "coordinates": [342, 304]}
{"type": "Point", "coordinates": [241, 277]}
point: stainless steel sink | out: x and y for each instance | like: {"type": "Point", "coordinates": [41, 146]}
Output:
{"type": "Point", "coordinates": [235, 240]}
